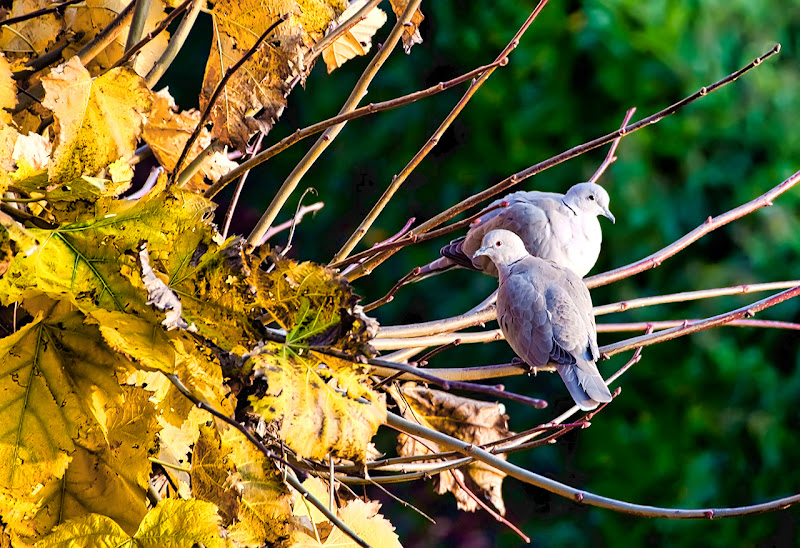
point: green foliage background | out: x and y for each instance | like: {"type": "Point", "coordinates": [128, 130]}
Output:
{"type": "Point", "coordinates": [705, 421]}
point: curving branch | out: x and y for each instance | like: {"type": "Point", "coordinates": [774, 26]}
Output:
{"type": "Point", "coordinates": [400, 178]}
{"type": "Point", "coordinates": [584, 497]}
{"type": "Point", "coordinates": [658, 257]}
{"type": "Point", "coordinates": [574, 152]}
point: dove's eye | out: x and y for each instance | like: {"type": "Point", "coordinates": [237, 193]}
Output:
{"type": "Point", "coordinates": [498, 243]}
{"type": "Point", "coordinates": [591, 197]}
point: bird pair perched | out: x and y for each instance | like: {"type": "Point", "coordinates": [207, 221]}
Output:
{"type": "Point", "coordinates": [540, 246]}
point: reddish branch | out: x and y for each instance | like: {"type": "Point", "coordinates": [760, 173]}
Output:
{"type": "Point", "coordinates": [564, 156]}
{"type": "Point", "coordinates": [658, 257]}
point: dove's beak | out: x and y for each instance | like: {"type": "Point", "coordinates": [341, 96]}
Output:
{"type": "Point", "coordinates": [480, 252]}
{"type": "Point", "coordinates": [607, 214]}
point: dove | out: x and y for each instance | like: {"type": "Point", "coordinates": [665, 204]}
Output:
{"type": "Point", "coordinates": [562, 228]}
{"type": "Point", "coordinates": [545, 314]}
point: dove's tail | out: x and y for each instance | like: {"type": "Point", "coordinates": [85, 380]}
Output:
{"type": "Point", "coordinates": [455, 252]}
{"type": "Point", "coordinates": [438, 266]}
{"type": "Point", "coordinates": [453, 256]}
{"type": "Point", "coordinates": [587, 389]}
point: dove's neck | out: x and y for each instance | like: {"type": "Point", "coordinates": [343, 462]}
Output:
{"type": "Point", "coordinates": [566, 204]}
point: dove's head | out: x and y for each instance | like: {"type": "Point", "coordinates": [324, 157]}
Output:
{"type": "Point", "coordinates": [590, 199]}
{"type": "Point", "coordinates": [502, 247]}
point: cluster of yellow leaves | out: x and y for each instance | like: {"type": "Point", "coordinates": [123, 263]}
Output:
{"type": "Point", "coordinates": [86, 400]}
{"type": "Point", "coordinates": [473, 421]}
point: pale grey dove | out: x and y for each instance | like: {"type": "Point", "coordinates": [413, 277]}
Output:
{"type": "Point", "coordinates": [562, 228]}
{"type": "Point", "coordinates": [545, 313]}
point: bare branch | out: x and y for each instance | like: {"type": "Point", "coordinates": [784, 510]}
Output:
{"type": "Point", "coordinates": [358, 93]}
{"type": "Point", "coordinates": [691, 296]}
{"type": "Point", "coordinates": [131, 50]}
{"type": "Point", "coordinates": [658, 257]}
{"type": "Point", "coordinates": [578, 495]}
{"type": "Point", "coordinates": [610, 158]}
{"type": "Point", "coordinates": [37, 13]}
{"type": "Point", "coordinates": [298, 217]}
{"type": "Point", "coordinates": [641, 326]}
{"type": "Point", "coordinates": [176, 42]}
{"type": "Point", "coordinates": [410, 240]}
{"type": "Point", "coordinates": [744, 312]}
{"type": "Point", "coordinates": [518, 177]}
{"type": "Point", "coordinates": [400, 178]}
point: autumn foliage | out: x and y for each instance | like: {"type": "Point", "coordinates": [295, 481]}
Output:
{"type": "Point", "coordinates": [162, 384]}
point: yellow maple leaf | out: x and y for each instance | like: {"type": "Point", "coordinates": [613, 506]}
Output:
{"type": "Point", "coordinates": [171, 524]}
{"type": "Point", "coordinates": [357, 40]}
{"type": "Point", "coordinates": [32, 36]}
{"type": "Point", "coordinates": [321, 404]}
{"type": "Point", "coordinates": [93, 262]}
{"type": "Point", "coordinates": [212, 468]}
{"type": "Point", "coordinates": [315, 305]}
{"type": "Point", "coordinates": [8, 91]}
{"type": "Point", "coordinates": [99, 119]}
{"type": "Point", "coordinates": [265, 515]}
{"type": "Point", "coordinates": [255, 96]}
{"type": "Point", "coordinates": [364, 519]}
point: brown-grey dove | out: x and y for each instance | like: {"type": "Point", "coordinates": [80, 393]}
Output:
{"type": "Point", "coordinates": [562, 228]}
{"type": "Point", "coordinates": [545, 313]}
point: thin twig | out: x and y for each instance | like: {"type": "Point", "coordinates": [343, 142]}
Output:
{"type": "Point", "coordinates": [401, 177]}
{"type": "Point", "coordinates": [744, 312]}
{"type": "Point", "coordinates": [390, 295]}
{"type": "Point", "coordinates": [666, 324]}
{"type": "Point", "coordinates": [37, 13]}
{"type": "Point", "coordinates": [658, 257]}
{"type": "Point", "coordinates": [692, 296]}
{"type": "Point", "coordinates": [289, 478]}
{"type": "Point", "coordinates": [585, 497]}
{"type": "Point", "coordinates": [238, 190]}
{"type": "Point", "coordinates": [366, 110]}
{"type": "Point", "coordinates": [358, 93]}
{"type": "Point", "coordinates": [520, 176]}
{"type": "Point", "coordinates": [221, 86]}
{"type": "Point", "coordinates": [298, 217]}
{"type": "Point", "coordinates": [411, 239]}
{"type": "Point", "coordinates": [130, 51]}
{"type": "Point", "coordinates": [610, 157]}
{"type": "Point", "coordinates": [176, 42]}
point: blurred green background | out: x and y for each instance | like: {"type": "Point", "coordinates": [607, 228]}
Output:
{"type": "Point", "coordinates": [709, 420]}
